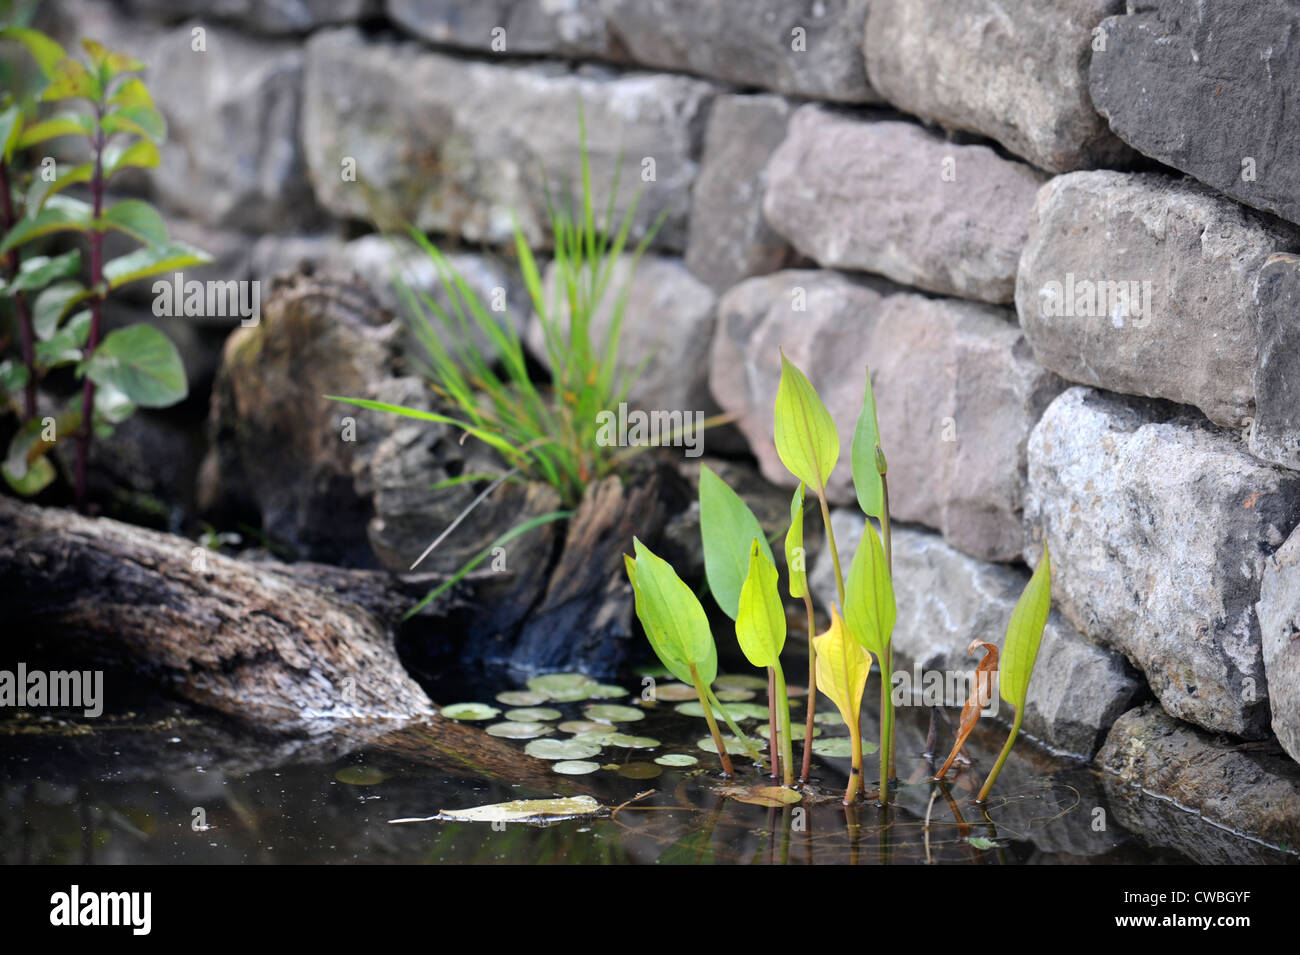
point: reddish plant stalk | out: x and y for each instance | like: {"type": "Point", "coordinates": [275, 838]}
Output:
{"type": "Point", "coordinates": [771, 722]}
{"type": "Point", "coordinates": [806, 769]}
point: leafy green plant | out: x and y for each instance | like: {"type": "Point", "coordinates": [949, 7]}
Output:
{"type": "Point", "coordinates": [60, 318]}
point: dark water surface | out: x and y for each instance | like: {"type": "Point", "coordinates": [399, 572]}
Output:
{"type": "Point", "coordinates": [169, 784]}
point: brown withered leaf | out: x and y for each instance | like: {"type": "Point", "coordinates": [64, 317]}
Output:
{"type": "Point", "coordinates": [981, 694]}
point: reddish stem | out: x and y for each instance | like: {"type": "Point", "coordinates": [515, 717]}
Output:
{"type": "Point", "coordinates": [771, 722]}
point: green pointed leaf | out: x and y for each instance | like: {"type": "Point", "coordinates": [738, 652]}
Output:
{"type": "Point", "coordinates": [44, 51]}
{"type": "Point", "coordinates": [61, 124]}
{"type": "Point", "coordinates": [40, 190]}
{"type": "Point", "coordinates": [54, 303]}
{"type": "Point", "coordinates": [142, 120]}
{"type": "Point", "coordinates": [137, 219]}
{"type": "Point", "coordinates": [132, 93]}
{"type": "Point", "coordinates": [673, 619]}
{"type": "Point", "coordinates": [806, 439]}
{"type": "Point", "coordinates": [110, 64]}
{"type": "Point", "coordinates": [142, 363]}
{"type": "Point", "coordinates": [11, 126]}
{"type": "Point", "coordinates": [796, 560]}
{"type": "Point", "coordinates": [141, 153]}
{"type": "Point", "coordinates": [61, 214]}
{"type": "Point", "coordinates": [36, 273]}
{"type": "Point", "coordinates": [66, 346]}
{"type": "Point", "coordinates": [866, 439]}
{"type": "Point", "coordinates": [1025, 633]}
{"type": "Point", "coordinates": [69, 79]}
{"type": "Point", "coordinates": [760, 624]}
{"type": "Point", "coordinates": [727, 526]}
{"type": "Point", "coordinates": [869, 608]}
{"type": "Point", "coordinates": [152, 260]}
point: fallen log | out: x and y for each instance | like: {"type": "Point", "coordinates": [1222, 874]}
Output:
{"type": "Point", "coordinates": [292, 648]}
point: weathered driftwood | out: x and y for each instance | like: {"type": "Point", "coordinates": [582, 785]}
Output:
{"type": "Point", "coordinates": [300, 647]}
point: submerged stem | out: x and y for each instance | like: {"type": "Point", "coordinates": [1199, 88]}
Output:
{"type": "Point", "coordinates": [736, 731]}
{"type": "Point", "coordinates": [1002, 758]}
{"type": "Point", "coordinates": [702, 693]}
{"type": "Point", "coordinates": [855, 771]}
{"type": "Point", "coordinates": [787, 745]}
{"type": "Point", "coordinates": [812, 692]}
{"type": "Point", "coordinates": [771, 720]}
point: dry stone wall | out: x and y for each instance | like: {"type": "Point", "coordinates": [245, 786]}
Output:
{"type": "Point", "coordinates": [1064, 236]}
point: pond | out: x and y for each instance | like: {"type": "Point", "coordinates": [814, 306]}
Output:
{"type": "Point", "coordinates": [171, 784]}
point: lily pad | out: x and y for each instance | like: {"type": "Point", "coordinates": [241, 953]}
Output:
{"type": "Point", "coordinates": [735, 696]}
{"type": "Point", "coordinates": [606, 691]}
{"type": "Point", "coordinates": [768, 796]}
{"type": "Point", "coordinates": [694, 708]}
{"type": "Point", "coordinates": [470, 711]}
{"type": "Point", "coordinates": [841, 746]}
{"type": "Point", "coordinates": [677, 759]}
{"type": "Point", "coordinates": [575, 767]}
{"type": "Point", "coordinates": [600, 739]}
{"type": "Point", "coordinates": [740, 681]}
{"type": "Point", "coordinates": [562, 749]}
{"type": "Point", "coordinates": [552, 682]}
{"type": "Point", "coordinates": [523, 698]}
{"type": "Point", "coordinates": [674, 692]}
{"type": "Point", "coordinates": [639, 771]}
{"type": "Point", "coordinates": [360, 775]}
{"type": "Point", "coordinates": [515, 729]}
{"type": "Point", "coordinates": [632, 742]}
{"type": "Point", "coordinates": [613, 713]}
{"type": "Point", "coordinates": [747, 711]}
{"type": "Point", "coordinates": [533, 714]}
{"type": "Point", "coordinates": [587, 727]}
{"type": "Point", "coordinates": [828, 718]}
{"type": "Point", "coordinates": [529, 811]}
{"type": "Point", "coordinates": [797, 731]}
{"type": "Point", "coordinates": [572, 694]}
{"type": "Point", "coordinates": [734, 746]}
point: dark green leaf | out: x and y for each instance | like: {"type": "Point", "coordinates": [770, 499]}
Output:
{"type": "Point", "coordinates": [38, 272]}
{"type": "Point", "coordinates": [142, 363]}
{"type": "Point", "coordinates": [727, 526]}
{"type": "Point", "coordinates": [61, 214]}
{"type": "Point", "coordinates": [137, 219]}
{"type": "Point", "coordinates": [152, 260]}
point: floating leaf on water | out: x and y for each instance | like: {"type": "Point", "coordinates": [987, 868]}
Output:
{"type": "Point", "coordinates": [676, 759]}
{"type": "Point", "coordinates": [533, 714]}
{"type": "Point", "coordinates": [735, 696]}
{"type": "Point", "coordinates": [980, 842]}
{"type": "Point", "coordinates": [740, 681]}
{"type": "Point", "coordinates": [632, 742]}
{"type": "Point", "coordinates": [605, 691]}
{"type": "Point", "coordinates": [639, 771]}
{"type": "Point", "coordinates": [587, 727]}
{"type": "Point", "coordinates": [575, 767]}
{"type": "Point", "coordinates": [515, 729]}
{"type": "Point", "coordinates": [695, 708]}
{"type": "Point", "coordinates": [828, 718]}
{"type": "Point", "coordinates": [674, 692]}
{"type": "Point", "coordinates": [470, 711]}
{"type": "Point", "coordinates": [529, 811]}
{"type": "Point", "coordinates": [748, 711]}
{"type": "Point", "coordinates": [523, 698]}
{"type": "Point", "coordinates": [613, 713]}
{"type": "Point", "coordinates": [734, 746]}
{"type": "Point", "coordinates": [562, 748]}
{"type": "Point", "coordinates": [571, 695]}
{"type": "Point", "coordinates": [772, 797]}
{"type": "Point", "coordinates": [551, 682]}
{"type": "Point", "coordinates": [360, 775]}
{"type": "Point", "coordinates": [838, 746]}
{"type": "Point", "coordinates": [797, 731]}
{"type": "Point", "coordinates": [600, 739]}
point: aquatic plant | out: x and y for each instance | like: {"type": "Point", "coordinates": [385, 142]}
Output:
{"type": "Point", "coordinates": [60, 319]}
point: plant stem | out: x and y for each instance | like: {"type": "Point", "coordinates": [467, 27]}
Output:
{"type": "Point", "coordinates": [96, 307]}
{"type": "Point", "coordinates": [20, 300]}
{"type": "Point", "coordinates": [787, 744]}
{"type": "Point", "coordinates": [771, 720]}
{"type": "Point", "coordinates": [736, 731]}
{"type": "Point", "coordinates": [855, 771]}
{"type": "Point", "coordinates": [1002, 758]}
{"type": "Point", "coordinates": [830, 542]}
{"type": "Point", "coordinates": [887, 665]}
{"type": "Point", "coordinates": [886, 724]}
{"type": "Point", "coordinates": [812, 692]}
{"type": "Point", "coordinates": [707, 706]}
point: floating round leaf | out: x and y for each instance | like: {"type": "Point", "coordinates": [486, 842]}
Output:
{"type": "Point", "coordinates": [639, 771]}
{"type": "Point", "coordinates": [747, 711]}
{"type": "Point", "coordinates": [470, 711]}
{"type": "Point", "coordinates": [694, 708]}
{"type": "Point", "coordinates": [561, 749]}
{"type": "Point", "coordinates": [740, 681]}
{"type": "Point", "coordinates": [828, 718]}
{"type": "Point", "coordinates": [533, 714]}
{"type": "Point", "coordinates": [676, 759]}
{"type": "Point", "coordinates": [600, 739]}
{"type": "Point", "coordinates": [575, 767]}
{"type": "Point", "coordinates": [735, 696]}
{"type": "Point", "coordinates": [360, 775]}
{"type": "Point", "coordinates": [773, 797]}
{"type": "Point", "coordinates": [606, 691]}
{"type": "Point", "coordinates": [632, 742]}
{"type": "Point", "coordinates": [841, 746]}
{"type": "Point", "coordinates": [513, 729]}
{"type": "Point", "coordinates": [797, 731]}
{"type": "Point", "coordinates": [587, 727]}
{"type": "Point", "coordinates": [613, 713]}
{"type": "Point", "coordinates": [674, 692]}
{"type": "Point", "coordinates": [734, 746]}
{"type": "Point", "coordinates": [561, 682]}
{"type": "Point", "coordinates": [523, 698]}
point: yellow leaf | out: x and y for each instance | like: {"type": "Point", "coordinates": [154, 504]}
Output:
{"type": "Point", "coordinates": [842, 668]}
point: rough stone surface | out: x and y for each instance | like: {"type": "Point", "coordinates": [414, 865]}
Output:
{"type": "Point", "coordinates": [1015, 70]}
{"type": "Point", "coordinates": [957, 393]}
{"type": "Point", "coordinates": [1209, 89]}
{"type": "Point", "coordinates": [730, 239]}
{"type": "Point", "coordinates": [668, 320]}
{"type": "Point", "coordinates": [899, 200]}
{"type": "Point", "coordinates": [1279, 626]}
{"type": "Point", "coordinates": [1275, 435]}
{"type": "Point", "coordinates": [1145, 285]}
{"type": "Point", "coordinates": [532, 27]}
{"type": "Point", "coordinates": [946, 599]}
{"type": "Point", "coordinates": [1251, 790]}
{"type": "Point", "coordinates": [458, 147]}
{"type": "Point", "coordinates": [261, 16]}
{"type": "Point", "coordinates": [1159, 527]}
